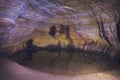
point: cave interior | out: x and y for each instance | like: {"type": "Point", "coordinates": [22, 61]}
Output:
{"type": "Point", "coordinates": [59, 40]}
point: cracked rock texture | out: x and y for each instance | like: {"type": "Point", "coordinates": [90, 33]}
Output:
{"type": "Point", "coordinates": [93, 23]}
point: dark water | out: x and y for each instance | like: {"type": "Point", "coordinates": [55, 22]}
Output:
{"type": "Point", "coordinates": [64, 62]}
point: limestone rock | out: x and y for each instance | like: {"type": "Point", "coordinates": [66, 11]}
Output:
{"type": "Point", "coordinates": [91, 19]}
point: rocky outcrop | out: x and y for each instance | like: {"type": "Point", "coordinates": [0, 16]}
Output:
{"type": "Point", "coordinates": [94, 20]}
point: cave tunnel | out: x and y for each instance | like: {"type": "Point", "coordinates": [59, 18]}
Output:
{"type": "Point", "coordinates": [59, 40]}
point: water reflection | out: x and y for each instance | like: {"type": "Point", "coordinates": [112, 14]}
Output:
{"type": "Point", "coordinates": [65, 62]}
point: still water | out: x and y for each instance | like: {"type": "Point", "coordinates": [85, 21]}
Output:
{"type": "Point", "coordinates": [64, 62]}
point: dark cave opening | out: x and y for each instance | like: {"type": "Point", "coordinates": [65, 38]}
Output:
{"type": "Point", "coordinates": [52, 31]}
{"type": "Point", "coordinates": [118, 30]}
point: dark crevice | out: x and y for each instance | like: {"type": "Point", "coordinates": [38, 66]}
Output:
{"type": "Point", "coordinates": [100, 24]}
{"type": "Point", "coordinates": [100, 31]}
{"type": "Point", "coordinates": [103, 33]}
{"type": "Point", "coordinates": [118, 30]}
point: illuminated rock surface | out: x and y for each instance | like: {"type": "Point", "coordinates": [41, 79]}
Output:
{"type": "Point", "coordinates": [20, 20]}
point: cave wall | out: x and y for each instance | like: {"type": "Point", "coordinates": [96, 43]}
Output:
{"type": "Point", "coordinates": [21, 20]}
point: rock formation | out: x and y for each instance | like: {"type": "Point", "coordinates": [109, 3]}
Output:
{"type": "Point", "coordinates": [95, 22]}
